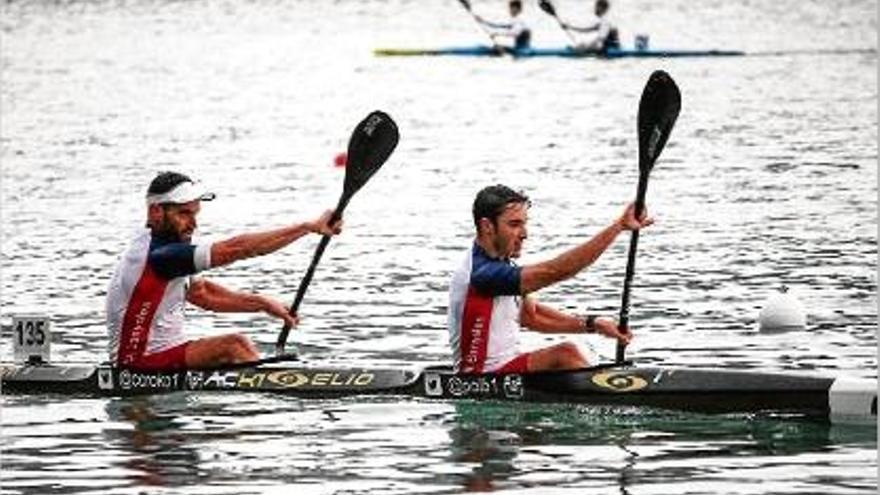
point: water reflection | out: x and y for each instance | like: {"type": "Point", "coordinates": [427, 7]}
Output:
{"type": "Point", "coordinates": [492, 453]}
{"type": "Point", "coordinates": [507, 446]}
{"type": "Point", "coordinates": [155, 448]}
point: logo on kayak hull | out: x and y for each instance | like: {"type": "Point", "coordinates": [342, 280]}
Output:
{"type": "Point", "coordinates": [105, 378]}
{"type": "Point", "coordinates": [619, 381]}
{"type": "Point", "coordinates": [280, 379]}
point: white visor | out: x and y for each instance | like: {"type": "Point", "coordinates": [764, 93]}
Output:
{"type": "Point", "coordinates": [184, 192]}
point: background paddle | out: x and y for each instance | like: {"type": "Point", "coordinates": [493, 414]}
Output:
{"type": "Point", "coordinates": [658, 110]}
{"type": "Point", "coordinates": [467, 6]}
{"type": "Point", "coordinates": [371, 143]}
{"type": "Point", "coordinates": [548, 7]}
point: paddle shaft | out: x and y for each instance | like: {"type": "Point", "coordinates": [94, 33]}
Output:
{"type": "Point", "coordinates": [565, 29]}
{"type": "Point", "coordinates": [310, 273]}
{"type": "Point", "coordinates": [548, 7]}
{"type": "Point", "coordinates": [467, 6]}
{"type": "Point", "coordinates": [623, 322]}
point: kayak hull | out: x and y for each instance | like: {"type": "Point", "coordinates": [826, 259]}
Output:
{"type": "Point", "coordinates": [563, 52]}
{"type": "Point", "coordinates": [679, 389]}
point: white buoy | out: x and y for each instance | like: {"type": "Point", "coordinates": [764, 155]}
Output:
{"type": "Point", "coordinates": [782, 312]}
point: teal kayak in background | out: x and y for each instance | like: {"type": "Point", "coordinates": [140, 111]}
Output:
{"type": "Point", "coordinates": [566, 52]}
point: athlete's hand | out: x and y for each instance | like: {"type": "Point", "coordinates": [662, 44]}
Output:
{"type": "Point", "coordinates": [323, 226]}
{"type": "Point", "coordinates": [628, 220]}
{"type": "Point", "coordinates": [278, 310]}
{"type": "Point", "coordinates": [608, 327]}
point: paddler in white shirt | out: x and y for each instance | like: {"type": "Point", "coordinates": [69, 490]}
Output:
{"type": "Point", "coordinates": [602, 33]}
{"type": "Point", "coordinates": [161, 271]}
{"type": "Point", "coordinates": [491, 297]}
{"type": "Point", "coordinates": [514, 30]}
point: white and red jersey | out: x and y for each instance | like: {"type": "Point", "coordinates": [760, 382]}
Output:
{"type": "Point", "coordinates": [147, 296]}
{"type": "Point", "coordinates": [484, 312]}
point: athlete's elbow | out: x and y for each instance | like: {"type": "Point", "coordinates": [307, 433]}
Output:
{"type": "Point", "coordinates": [528, 318]}
{"type": "Point", "coordinates": [198, 293]}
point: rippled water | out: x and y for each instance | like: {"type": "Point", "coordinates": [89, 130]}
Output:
{"type": "Point", "coordinates": [769, 179]}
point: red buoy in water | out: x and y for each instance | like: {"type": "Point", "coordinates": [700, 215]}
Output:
{"type": "Point", "coordinates": [340, 160]}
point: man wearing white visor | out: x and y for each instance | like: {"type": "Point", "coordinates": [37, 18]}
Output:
{"type": "Point", "coordinates": [155, 278]}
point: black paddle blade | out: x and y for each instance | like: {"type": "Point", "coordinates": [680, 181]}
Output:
{"type": "Point", "coordinates": [465, 4]}
{"type": "Point", "coordinates": [547, 7]}
{"type": "Point", "coordinates": [658, 110]}
{"type": "Point", "coordinates": [370, 145]}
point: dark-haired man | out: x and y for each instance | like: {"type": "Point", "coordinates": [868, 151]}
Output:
{"type": "Point", "coordinates": [489, 295]}
{"type": "Point", "coordinates": [603, 34]}
{"type": "Point", "coordinates": [155, 279]}
{"type": "Point", "coordinates": [515, 29]}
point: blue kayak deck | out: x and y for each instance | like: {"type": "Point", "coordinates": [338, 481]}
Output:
{"type": "Point", "coordinates": [565, 52]}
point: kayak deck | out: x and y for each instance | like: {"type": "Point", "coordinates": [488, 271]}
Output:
{"type": "Point", "coordinates": [565, 52]}
{"type": "Point", "coordinates": [682, 389]}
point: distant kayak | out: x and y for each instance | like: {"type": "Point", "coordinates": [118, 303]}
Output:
{"type": "Point", "coordinates": [567, 52]}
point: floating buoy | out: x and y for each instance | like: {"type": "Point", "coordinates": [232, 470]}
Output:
{"type": "Point", "coordinates": [340, 160]}
{"type": "Point", "coordinates": [782, 312]}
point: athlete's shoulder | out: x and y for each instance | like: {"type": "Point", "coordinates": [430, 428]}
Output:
{"type": "Point", "coordinates": [171, 259]}
{"type": "Point", "coordinates": [494, 276]}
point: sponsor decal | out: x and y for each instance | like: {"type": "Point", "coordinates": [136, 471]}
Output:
{"type": "Point", "coordinates": [326, 379]}
{"type": "Point", "coordinates": [288, 379]}
{"type": "Point", "coordinates": [506, 386]}
{"type": "Point", "coordinates": [134, 380]}
{"type": "Point", "coordinates": [281, 379]}
{"type": "Point", "coordinates": [221, 380]}
{"type": "Point", "coordinates": [474, 350]}
{"type": "Point", "coordinates": [105, 378]}
{"type": "Point", "coordinates": [433, 385]}
{"type": "Point", "coordinates": [513, 387]}
{"type": "Point", "coordinates": [195, 380]}
{"type": "Point", "coordinates": [250, 380]}
{"type": "Point", "coordinates": [472, 386]}
{"type": "Point", "coordinates": [370, 125]}
{"type": "Point", "coordinates": [619, 381]}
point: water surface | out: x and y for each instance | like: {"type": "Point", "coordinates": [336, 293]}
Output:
{"type": "Point", "coordinates": [769, 179]}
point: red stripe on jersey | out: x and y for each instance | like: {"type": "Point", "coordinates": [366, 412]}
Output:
{"type": "Point", "coordinates": [475, 320]}
{"type": "Point", "coordinates": [139, 316]}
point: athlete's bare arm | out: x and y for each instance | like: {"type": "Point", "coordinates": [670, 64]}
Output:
{"type": "Point", "coordinates": [569, 263]}
{"type": "Point", "coordinates": [214, 297]}
{"type": "Point", "coordinates": [542, 318]}
{"type": "Point", "coordinates": [259, 243]}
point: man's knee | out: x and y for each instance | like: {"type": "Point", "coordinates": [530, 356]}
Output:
{"type": "Point", "coordinates": [240, 347]}
{"type": "Point", "coordinates": [570, 354]}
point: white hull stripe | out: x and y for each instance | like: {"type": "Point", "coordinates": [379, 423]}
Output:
{"type": "Point", "coordinates": [851, 397]}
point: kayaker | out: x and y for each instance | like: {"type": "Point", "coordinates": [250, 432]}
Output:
{"type": "Point", "coordinates": [155, 278]}
{"type": "Point", "coordinates": [603, 34]}
{"type": "Point", "coordinates": [515, 29]}
{"type": "Point", "coordinates": [490, 297]}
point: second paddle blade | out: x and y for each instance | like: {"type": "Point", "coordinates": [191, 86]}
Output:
{"type": "Point", "coordinates": [547, 7]}
{"type": "Point", "coordinates": [371, 143]}
{"type": "Point", "coordinates": [658, 110]}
